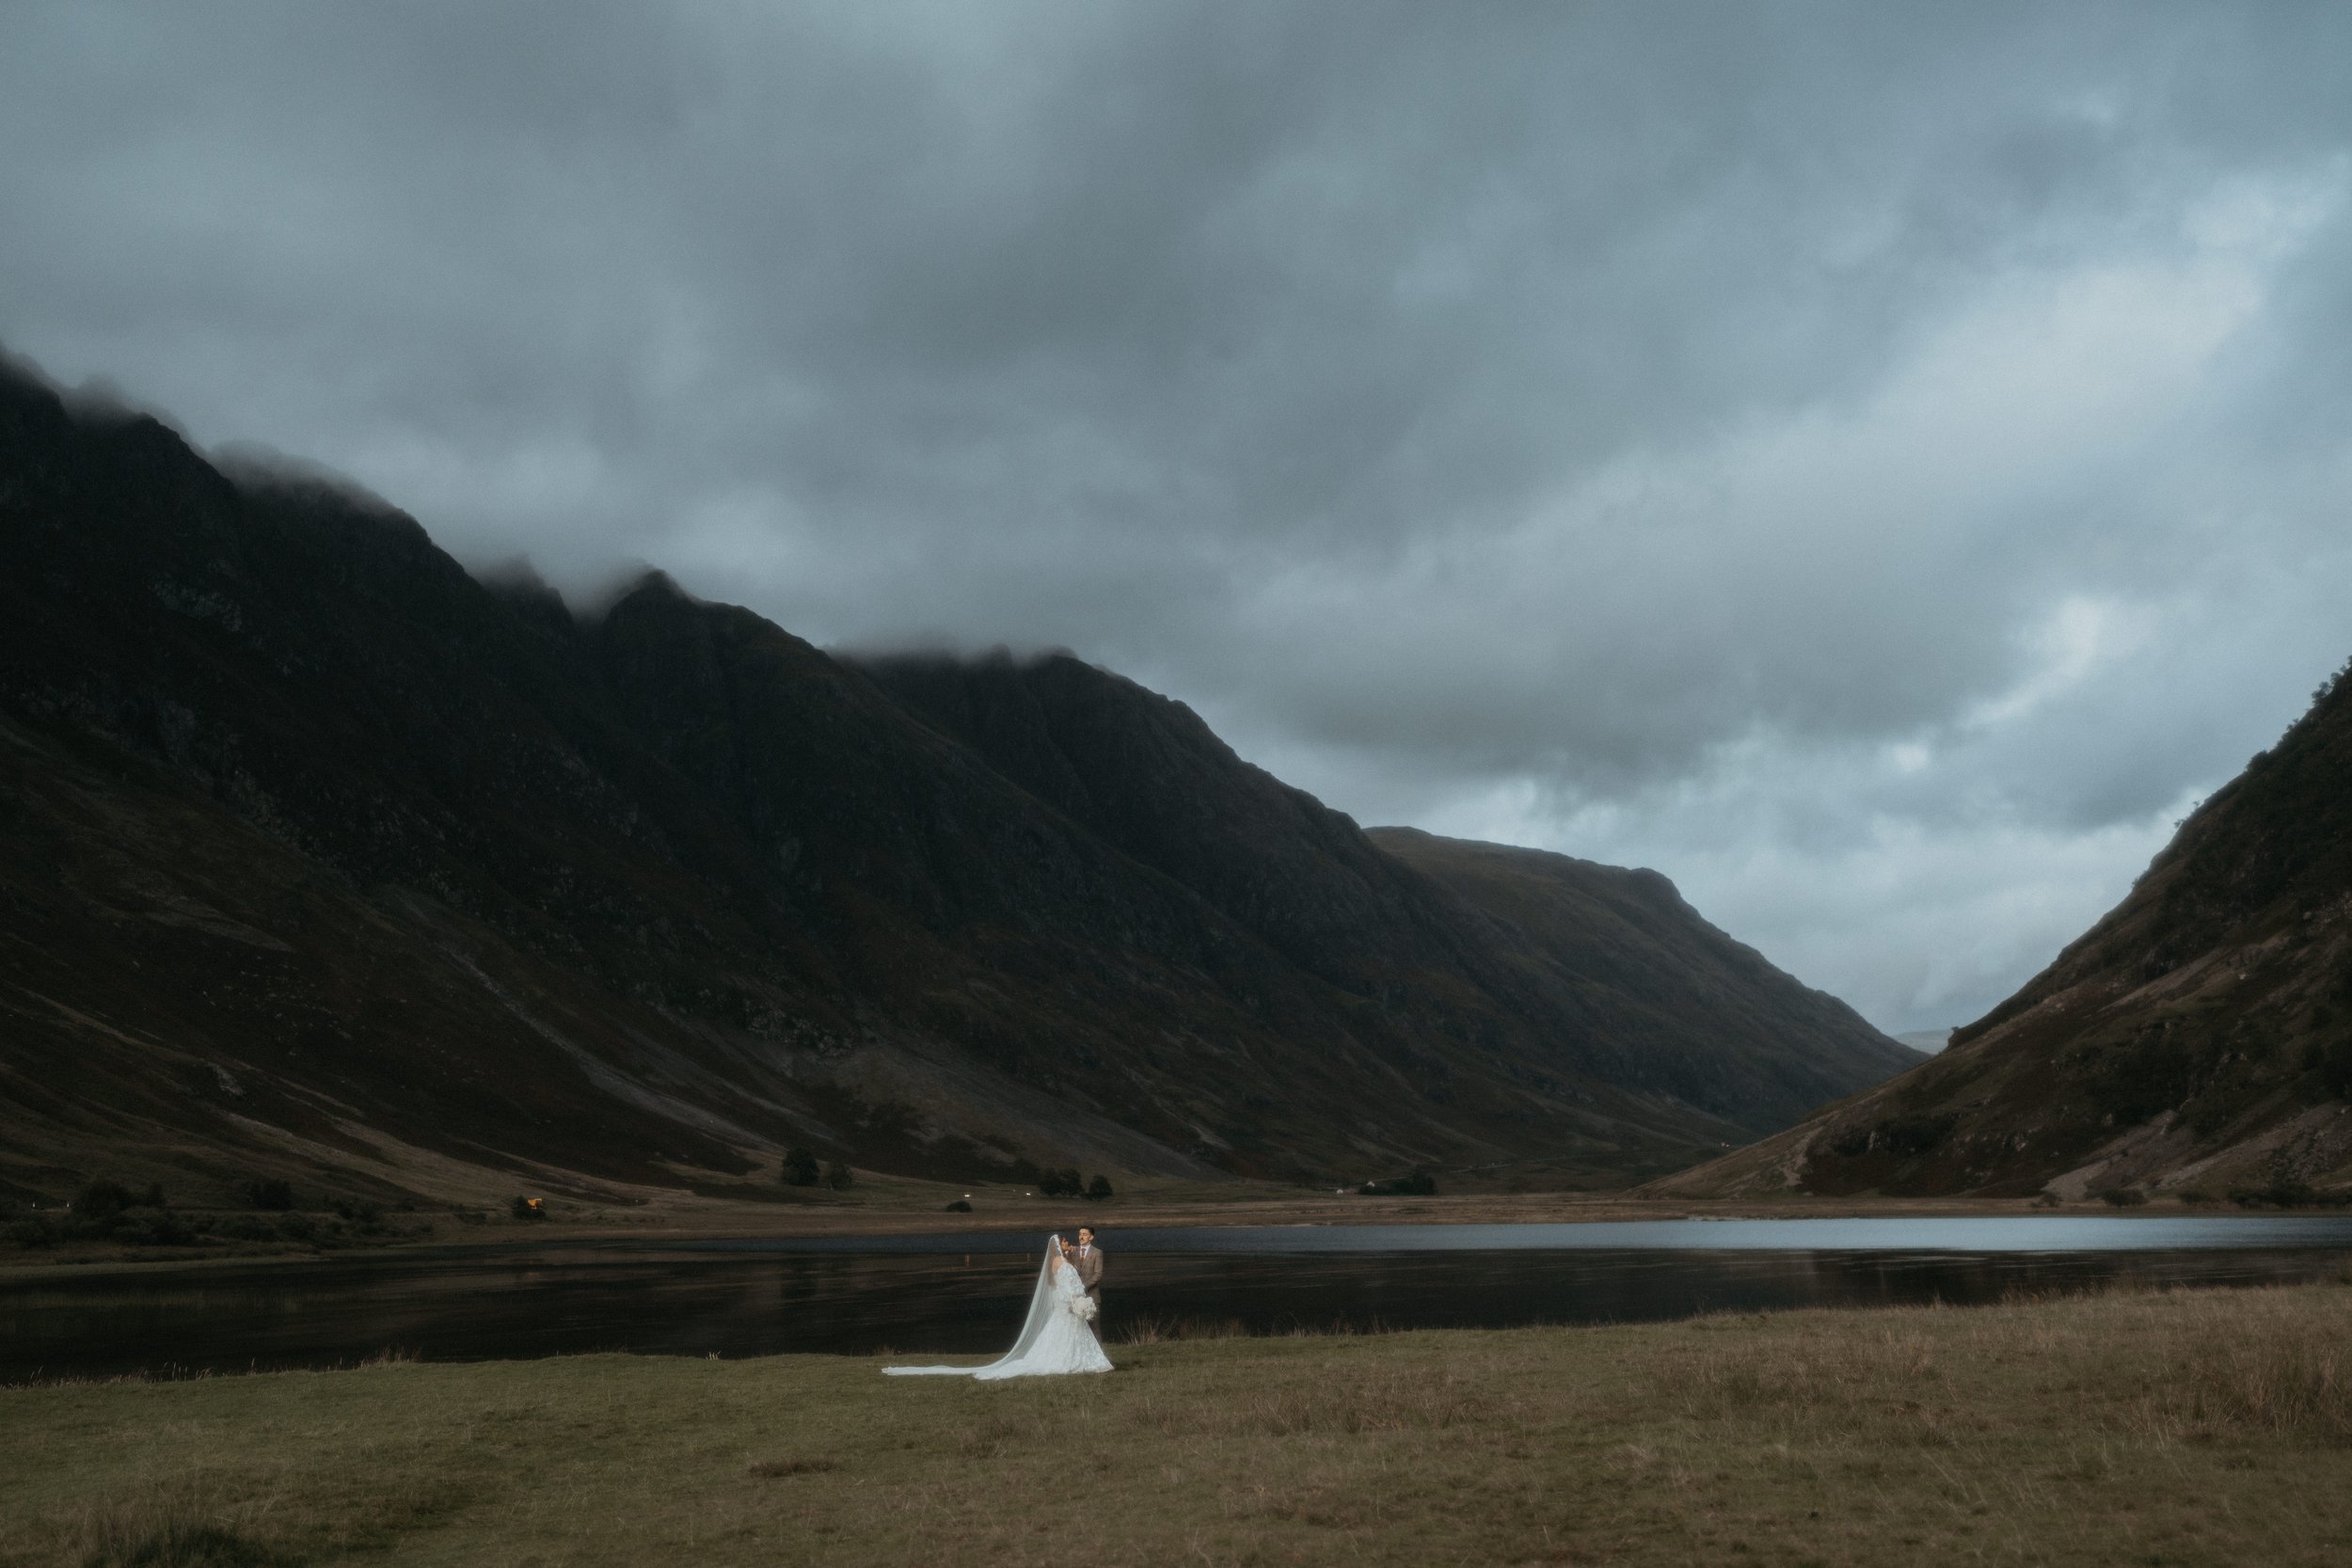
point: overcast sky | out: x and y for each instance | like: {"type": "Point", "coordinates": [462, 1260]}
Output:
{"type": "Point", "coordinates": [1877, 464]}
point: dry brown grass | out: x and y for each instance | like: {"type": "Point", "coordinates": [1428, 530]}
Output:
{"type": "Point", "coordinates": [167, 1526]}
{"type": "Point", "coordinates": [2205, 1428]}
{"type": "Point", "coordinates": [772, 1468]}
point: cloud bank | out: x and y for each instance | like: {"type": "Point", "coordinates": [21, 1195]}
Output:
{"type": "Point", "coordinates": [1876, 464]}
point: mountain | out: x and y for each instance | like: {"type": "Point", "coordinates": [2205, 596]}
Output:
{"type": "Point", "coordinates": [1620, 954]}
{"type": "Point", "coordinates": [2196, 1041]}
{"type": "Point", "coordinates": [323, 857]}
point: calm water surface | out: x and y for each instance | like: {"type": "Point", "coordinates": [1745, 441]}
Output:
{"type": "Point", "coordinates": [964, 1293]}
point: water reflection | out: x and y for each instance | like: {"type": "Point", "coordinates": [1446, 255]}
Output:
{"type": "Point", "coordinates": [912, 1298]}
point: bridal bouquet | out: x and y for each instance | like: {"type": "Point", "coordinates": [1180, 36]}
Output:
{"type": "Point", "coordinates": [1085, 1308]}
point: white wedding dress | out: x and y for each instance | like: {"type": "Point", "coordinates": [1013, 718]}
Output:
{"type": "Point", "coordinates": [1056, 1338]}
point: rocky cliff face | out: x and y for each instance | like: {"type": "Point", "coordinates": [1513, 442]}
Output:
{"type": "Point", "coordinates": [2198, 1041]}
{"type": "Point", "coordinates": [322, 856]}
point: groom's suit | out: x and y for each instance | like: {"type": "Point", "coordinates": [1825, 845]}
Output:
{"type": "Point", "coordinates": [1090, 1262]}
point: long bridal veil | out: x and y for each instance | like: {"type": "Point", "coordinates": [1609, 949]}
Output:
{"type": "Point", "coordinates": [1052, 1339]}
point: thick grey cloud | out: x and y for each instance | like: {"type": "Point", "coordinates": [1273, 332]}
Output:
{"type": "Point", "coordinates": [1877, 464]}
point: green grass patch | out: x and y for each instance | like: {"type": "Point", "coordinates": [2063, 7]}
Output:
{"type": "Point", "coordinates": [2180, 1428]}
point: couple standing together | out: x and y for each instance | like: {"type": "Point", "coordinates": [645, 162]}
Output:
{"type": "Point", "coordinates": [1060, 1335]}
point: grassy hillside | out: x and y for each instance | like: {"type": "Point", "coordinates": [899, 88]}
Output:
{"type": "Point", "coordinates": [2207, 1428]}
{"type": "Point", "coordinates": [1635, 962]}
{"type": "Point", "coordinates": [2196, 1042]}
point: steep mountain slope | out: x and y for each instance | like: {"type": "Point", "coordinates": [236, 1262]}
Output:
{"type": "Point", "coordinates": [1625, 980]}
{"type": "Point", "coordinates": [322, 855]}
{"type": "Point", "coordinates": [1621, 953]}
{"type": "Point", "coordinates": [2196, 1040]}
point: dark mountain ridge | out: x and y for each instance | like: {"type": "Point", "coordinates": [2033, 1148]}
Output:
{"type": "Point", "coordinates": [2196, 1040]}
{"type": "Point", "coordinates": [323, 855]}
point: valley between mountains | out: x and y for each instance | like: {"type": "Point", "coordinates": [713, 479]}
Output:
{"type": "Point", "coordinates": [323, 859]}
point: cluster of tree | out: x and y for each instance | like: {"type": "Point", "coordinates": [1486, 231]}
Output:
{"type": "Point", "coordinates": [109, 1211]}
{"type": "Point", "coordinates": [101, 1211]}
{"type": "Point", "coordinates": [1419, 1184]}
{"type": "Point", "coordinates": [801, 1170]}
{"type": "Point", "coordinates": [1067, 1182]}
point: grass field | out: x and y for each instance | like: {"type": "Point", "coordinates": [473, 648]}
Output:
{"type": "Point", "coordinates": [2186, 1428]}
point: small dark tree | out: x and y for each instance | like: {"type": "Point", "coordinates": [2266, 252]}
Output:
{"type": "Point", "coordinates": [102, 1200]}
{"type": "Point", "coordinates": [800, 1168]}
{"type": "Point", "coordinates": [272, 1191]}
{"type": "Point", "coordinates": [1419, 1184]}
{"type": "Point", "coordinates": [837, 1176]}
{"type": "Point", "coordinates": [1099, 1188]}
{"type": "Point", "coordinates": [526, 1207]}
{"type": "Point", "coordinates": [2332, 1061]}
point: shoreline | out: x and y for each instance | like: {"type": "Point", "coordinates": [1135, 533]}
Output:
{"type": "Point", "coordinates": [848, 1221]}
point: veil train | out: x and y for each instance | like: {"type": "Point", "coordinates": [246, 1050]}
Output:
{"type": "Point", "coordinates": [1053, 1340]}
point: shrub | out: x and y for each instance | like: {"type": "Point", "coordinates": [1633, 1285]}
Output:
{"type": "Point", "coordinates": [1099, 1189]}
{"type": "Point", "coordinates": [2332, 1061]}
{"type": "Point", "coordinates": [526, 1207]}
{"type": "Point", "coordinates": [2287, 1192]}
{"type": "Point", "coordinates": [102, 1200]}
{"type": "Point", "coordinates": [1419, 1184]}
{"type": "Point", "coordinates": [2123, 1198]}
{"type": "Point", "coordinates": [1905, 1136]}
{"type": "Point", "coordinates": [837, 1176]}
{"type": "Point", "coordinates": [151, 1228]}
{"type": "Point", "coordinates": [32, 1231]}
{"type": "Point", "coordinates": [1902, 1137]}
{"type": "Point", "coordinates": [2156, 1073]}
{"type": "Point", "coordinates": [179, 1544]}
{"type": "Point", "coordinates": [1062, 1184]}
{"type": "Point", "coordinates": [1851, 1144]}
{"type": "Point", "coordinates": [269, 1191]}
{"type": "Point", "coordinates": [243, 1227]}
{"type": "Point", "coordinates": [800, 1168]}
{"type": "Point", "coordinates": [959, 1207]}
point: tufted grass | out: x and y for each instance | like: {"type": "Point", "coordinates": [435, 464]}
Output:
{"type": "Point", "coordinates": [2186, 1428]}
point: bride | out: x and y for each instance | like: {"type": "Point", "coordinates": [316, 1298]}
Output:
{"type": "Point", "coordinates": [1058, 1338]}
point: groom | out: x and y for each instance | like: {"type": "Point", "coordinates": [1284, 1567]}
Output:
{"type": "Point", "coordinates": [1089, 1259]}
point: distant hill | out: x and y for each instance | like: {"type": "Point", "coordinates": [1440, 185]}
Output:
{"type": "Point", "coordinates": [323, 858]}
{"type": "Point", "coordinates": [1621, 954]}
{"type": "Point", "coordinates": [2196, 1040]}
